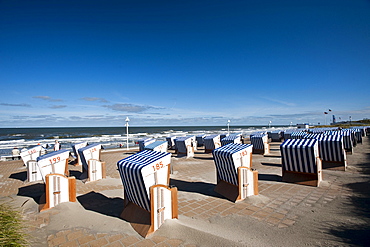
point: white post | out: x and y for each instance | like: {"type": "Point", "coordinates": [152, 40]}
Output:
{"type": "Point", "coordinates": [228, 127]}
{"type": "Point", "coordinates": [270, 124]}
{"type": "Point", "coordinates": [127, 120]}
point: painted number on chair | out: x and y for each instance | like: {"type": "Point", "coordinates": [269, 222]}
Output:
{"type": "Point", "coordinates": [54, 160]}
{"type": "Point", "coordinates": [158, 166]}
{"type": "Point", "coordinates": [32, 151]}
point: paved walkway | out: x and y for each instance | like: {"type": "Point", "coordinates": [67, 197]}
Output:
{"type": "Point", "coordinates": [279, 205]}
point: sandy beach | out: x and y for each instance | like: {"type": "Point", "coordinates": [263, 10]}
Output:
{"type": "Point", "coordinates": [283, 214]}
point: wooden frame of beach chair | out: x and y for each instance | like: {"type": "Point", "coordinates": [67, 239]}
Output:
{"type": "Point", "coordinates": [33, 171]}
{"type": "Point", "coordinates": [148, 200]}
{"type": "Point", "coordinates": [96, 170]}
{"type": "Point", "coordinates": [301, 163]}
{"type": "Point", "coordinates": [58, 189]}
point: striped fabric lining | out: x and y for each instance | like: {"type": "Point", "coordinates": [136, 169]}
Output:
{"type": "Point", "coordinates": [298, 135]}
{"type": "Point", "coordinates": [130, 170]}
{"type": "Point", "coordinates": [299, 155]}
{"type": "Point", "coordinates": [223, 157]}
{"type": "Point", "coordinates": [258, 141]}
{"type": "Point", "coordinates": [209, 141]}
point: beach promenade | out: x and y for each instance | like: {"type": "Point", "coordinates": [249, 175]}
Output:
{"type": "Point", "coordinates": [283, 214]}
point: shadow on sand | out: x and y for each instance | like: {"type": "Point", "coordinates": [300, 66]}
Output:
{"type": "Point", "coordinates": [195, 187]}
{"type": "Point", "coordinates": [101, 204]}
{"type": "Point", "coordinates": [22, 176]}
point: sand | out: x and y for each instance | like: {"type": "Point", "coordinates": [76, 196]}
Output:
{"type": "Point", "coordinates": [335, 214]}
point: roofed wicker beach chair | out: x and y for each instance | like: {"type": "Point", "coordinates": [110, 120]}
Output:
{"type": "Point", "coordinates": [185, 146]}
{"type": "Point", "coordinates": [301, 163]}
{"type": "Point", "coordinates": [92, 167]}
{"type": "Point", "coordinates": [31, 154]}
{"type": "Point", "coordinates": [211, 142]}
{"type": "Point", "coordinates": [235, 178]}
{"type": "Point", "coordinates": [260, 143]}
{"type": "Point", "coordinates": [59, 187]}
{"type": "Point", "coordinates": [148, 198]}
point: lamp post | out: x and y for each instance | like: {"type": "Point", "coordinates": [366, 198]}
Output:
{"type": "Point", "coordinates": [228, 127]}
{"type": "Point", "coordinates": [127, 120]}
{"type": "Point", "coordinates": [270, 124]}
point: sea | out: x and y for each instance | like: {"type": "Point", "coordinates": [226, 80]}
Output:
{"type": "Point", "coordinates": [109, 137]}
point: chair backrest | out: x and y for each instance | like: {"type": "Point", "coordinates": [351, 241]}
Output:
{"type": "Point", "coordinates": [31, 154]}
{"type": "Point", "coordinates": [54, 162]}
{"type": "Point", "coordinates": [160, 146]}
{"type": "Point", "coordinates": [141, 171]}
{"type": "Point", "coordinates": [300, 155]}
{"type": "Point", "coordinates": [228, 158]}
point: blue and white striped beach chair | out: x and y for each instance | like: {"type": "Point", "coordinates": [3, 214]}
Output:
{"type": "Point", "coordinates": [233, 138]}
{"type": "Point", "coordinates": [235, 178]}
{"type": "Point", "coordinates": [260, 143]}
{"type": "Point", "coordinates": [159, 146]}
{"type": "Point", "coordinates": [211, 142]}
{"type": "Point", "coordinates": [148, 197]}
{"type": "Point", "coordinates": [184, 145]}
{"type": "Point", "coordinates": [300, 161]}
{"type": "Point", "coordinates": [331, 149]}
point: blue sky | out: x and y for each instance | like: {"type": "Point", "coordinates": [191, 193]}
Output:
{"type": "Point", "coordinates": [183, 62]}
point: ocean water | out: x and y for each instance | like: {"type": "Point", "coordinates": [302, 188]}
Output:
{"type": "Point", "coordinates": [109, 137]}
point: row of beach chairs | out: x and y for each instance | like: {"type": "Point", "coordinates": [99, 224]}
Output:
{"type": "Point", "coordinates": [52, 169]}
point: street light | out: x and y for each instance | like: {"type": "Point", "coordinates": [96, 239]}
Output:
{"type": "Point", "coordinates": [270, 124]}
{"type": "Point", "coordinates": [127, 120]}
{"type": "Point", "coordinates": [228, 127]}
